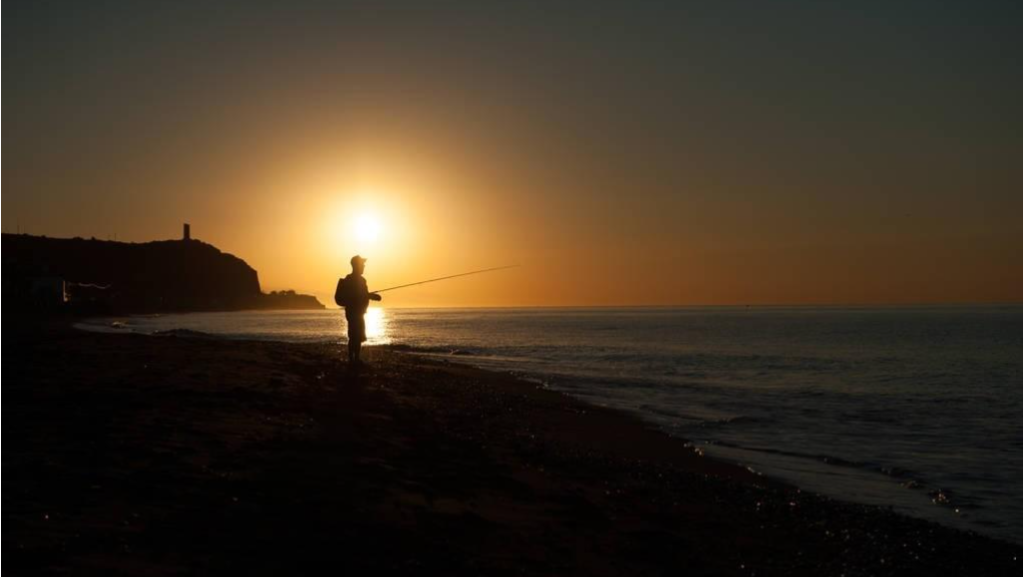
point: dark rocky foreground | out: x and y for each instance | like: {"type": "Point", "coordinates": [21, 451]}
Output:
{"type": "Point", "coordinates": [153, 456]}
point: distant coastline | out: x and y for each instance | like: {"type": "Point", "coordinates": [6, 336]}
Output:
{"type": "Point", "coordinates": [91, 276]}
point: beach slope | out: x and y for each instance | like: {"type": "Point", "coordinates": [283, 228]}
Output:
{"type": "Point", "coordinates": [164, 455]}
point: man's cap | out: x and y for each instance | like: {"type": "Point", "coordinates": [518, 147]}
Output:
{"type": "Point", "coordinates": [357, 259]}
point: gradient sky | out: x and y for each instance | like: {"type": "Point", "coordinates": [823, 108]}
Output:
{"type": "Point", "coordinates": [637, 153]}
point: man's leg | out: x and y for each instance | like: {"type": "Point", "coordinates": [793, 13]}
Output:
{"type": "Point", "coordinates": [356, 336]}
{"type": "Point", "coordinates": [359, 336]}
{"type": "Point", "coordinates": [353, 339]}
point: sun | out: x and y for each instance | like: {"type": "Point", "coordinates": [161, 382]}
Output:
{"type": "Point", "coordinates": [366, 228]}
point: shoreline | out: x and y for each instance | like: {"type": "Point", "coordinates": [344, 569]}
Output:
{"type": "Point", "coordinates": [882, 485]}
{"type": "Point", "coordinates": [424, 464]}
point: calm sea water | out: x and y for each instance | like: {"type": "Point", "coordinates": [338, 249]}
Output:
{"type": "Point", "coordinates": [914, 408]}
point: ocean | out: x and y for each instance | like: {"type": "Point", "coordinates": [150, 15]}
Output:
{"type": "Point", "coordinates": [914, 408]}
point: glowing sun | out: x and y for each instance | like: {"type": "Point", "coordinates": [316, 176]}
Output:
{"type": "Point", "coordinates": [366, 228]}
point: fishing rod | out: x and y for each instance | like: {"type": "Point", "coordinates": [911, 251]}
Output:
{"type": "Point", "coordinates": [447, 277]}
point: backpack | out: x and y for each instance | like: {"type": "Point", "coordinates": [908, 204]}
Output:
{"type": "Point", "coordinates": [341, 294]}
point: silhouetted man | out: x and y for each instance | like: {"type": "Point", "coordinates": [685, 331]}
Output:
{"type": "Point", "coordinates": [355, 297]}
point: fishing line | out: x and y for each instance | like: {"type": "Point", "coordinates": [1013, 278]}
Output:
{"type": "Point", "coordinates": [446, 277]}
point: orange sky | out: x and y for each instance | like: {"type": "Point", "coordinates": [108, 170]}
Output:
{"type": "Point", "coordinates": [631, 165]}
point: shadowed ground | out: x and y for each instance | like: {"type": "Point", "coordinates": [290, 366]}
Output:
{"type": "Point", "coordinates": [165, 455]}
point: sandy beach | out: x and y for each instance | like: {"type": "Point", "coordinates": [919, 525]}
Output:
{"type": "Point", "coordinates": [143, 455]}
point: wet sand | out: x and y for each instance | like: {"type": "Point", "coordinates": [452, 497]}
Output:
{"type": "Point", "coordinates": [168, 455]}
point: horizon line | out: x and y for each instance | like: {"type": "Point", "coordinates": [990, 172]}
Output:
{"type": "Point", "coordinates": [670, 306]}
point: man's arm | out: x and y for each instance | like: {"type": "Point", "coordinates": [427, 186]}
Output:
{"type": "Point", "coordinates": [374, 297]}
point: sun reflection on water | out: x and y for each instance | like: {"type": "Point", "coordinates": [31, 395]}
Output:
{"type": "Point", "coordinates": [377, 327]}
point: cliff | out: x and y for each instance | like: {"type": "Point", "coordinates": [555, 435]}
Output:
{"type": "Point", "coordinates": [288, 299]}
{"type": "Point", "coordinates": [159, 276]}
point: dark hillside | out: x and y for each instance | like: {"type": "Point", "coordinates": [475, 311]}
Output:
{"type": "Point", "coordinates": [172, 275]}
